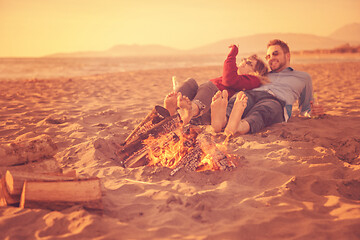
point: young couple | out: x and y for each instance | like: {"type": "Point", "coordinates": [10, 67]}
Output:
{"type": "Point", "coordinates": [246, 98]}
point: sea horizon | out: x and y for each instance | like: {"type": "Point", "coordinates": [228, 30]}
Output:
{"type": "Point", "coordinates": [20, 68]}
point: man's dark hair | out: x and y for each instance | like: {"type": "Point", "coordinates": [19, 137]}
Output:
{"type": "Point", "coordinates": [282, 44]}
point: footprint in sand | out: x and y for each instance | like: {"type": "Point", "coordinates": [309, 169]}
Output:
{"type": "Point", "coordinates": [348, 150]}
{"type": "Point", "coordinates": [350, 189]}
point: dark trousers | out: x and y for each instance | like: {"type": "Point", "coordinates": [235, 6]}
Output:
{"type": "Point", "coordinates": [263, 109]}
{"type": "Point", "coordinates": [200, 95]}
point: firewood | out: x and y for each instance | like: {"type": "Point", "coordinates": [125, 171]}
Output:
{"type": "Point", "coordinates": [201, 146]}
{"type": "Point", "coordinates": [3, 202]}
{"type": "Point", "coordinates": [156, 115]}
{"type": "Point", "coordinates": [62, 194]}
{"type": "Point", "coordinates": [21, 152]}
{"type": "Point", "coordinates": [191, 151]}
{"type": "Point", "coordinates": [209, 147]}
{"type": "Point", "coordinates": [137, 159]}
{"type": "Point", "coordinates": [10, 200]}
{"type": "Point", "coordinates": [15, 180]}
{"type": "Point", "coordinates": [163, 127]}
{"type": "Point", "coordinates": [192, 159]}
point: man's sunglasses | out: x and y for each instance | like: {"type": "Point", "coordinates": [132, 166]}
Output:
{"type": "Point", "coordinates": [275, 53]}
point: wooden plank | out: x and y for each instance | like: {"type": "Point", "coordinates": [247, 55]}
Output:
{"type": "Point", "coordinates": [10, 200]}
{"type": "Point", "coordinates": [15, 179]}
{"type": "Point", "coordinates": [21, 152]}
{"type": "Point", "coordinates": [3, 202]}
{"type": "Point", "coordinates": [138, 159]}
{"type": "Point", "coordinates": [61, 195]}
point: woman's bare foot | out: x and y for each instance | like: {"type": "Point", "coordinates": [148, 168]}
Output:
{"type": "Point", "coordinates": [185, 108]}
{"type": "Point", "coordinates": [218, 110]}
{"type": "Point", "coordinates": [170, 103]}
{"type": "Point", "coordinates": [235, 121]}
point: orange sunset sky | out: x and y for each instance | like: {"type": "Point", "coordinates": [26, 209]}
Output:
{"type": "Point", "coordinates": [39, 27]}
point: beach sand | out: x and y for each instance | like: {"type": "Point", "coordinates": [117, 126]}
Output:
{"type": "Point", "coordinates": [295, 180]}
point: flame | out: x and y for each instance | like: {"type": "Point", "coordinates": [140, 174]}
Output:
{"type": "Point", "coordinates": [207, 163]}
{"type": "Point", "coordinates": [170, 149]}
{"type": "Point", "coordinates": [166, 150]}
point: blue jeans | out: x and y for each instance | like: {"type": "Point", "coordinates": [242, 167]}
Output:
{"type": "Point", "coordinates": [262, 110]}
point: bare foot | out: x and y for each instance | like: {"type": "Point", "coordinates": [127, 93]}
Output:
{"type": "Point", "coordinates": [218, 110]}
{"type": "Point", "coordinates": [170, 103]}
{"type": "Point", "coordinates": [185, 108]}
{"type": "Point", "coordinates": [236, 114]}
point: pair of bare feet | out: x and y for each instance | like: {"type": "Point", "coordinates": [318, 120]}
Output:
{"type": "Point", "coordinates": [235, 125]}
{"type": "Point", "coordinates": [175, 102]}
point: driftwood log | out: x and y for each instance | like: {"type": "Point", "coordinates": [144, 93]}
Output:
{"type": "Point", "coordinates": [44, 166]}
{"type": "Point", "coordinates": [30, 150]}
{"type": "Point", "coordinates": [15, 180]}
{"type": "Point", "coordinates": [62, 194]}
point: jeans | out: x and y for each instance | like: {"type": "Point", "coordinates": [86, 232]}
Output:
{"type": "Point", "coordinates": [201, 96]}
{"type": "Point", "coordinates": [262, 110]}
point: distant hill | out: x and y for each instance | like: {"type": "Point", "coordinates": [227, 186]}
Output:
{"type": "Point", "coordinates": [257, 43]}
{"type": "Point", "coordinates": [124, 50]}
{"type": "Point", "coordinates": [349, 33]}
{"type": "Point", "coordinates": [249, 44]}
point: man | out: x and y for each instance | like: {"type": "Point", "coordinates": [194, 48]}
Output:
{"type": "Point", "coordinates": [252, 110]}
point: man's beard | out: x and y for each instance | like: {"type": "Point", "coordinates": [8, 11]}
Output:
{"type": "Point", "coordinates": [278, 64]}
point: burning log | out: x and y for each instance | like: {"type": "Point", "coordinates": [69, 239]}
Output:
{"type": "Point", "coordinates": [167, 144]}
{"type": "Point", "coordinates": [137, 159]}
{"type": "Point", "coordinates": [156, 115]}
{"type": "Point", "coordinates": [130, 149]}
{"type": "Point", "coordinates": [220, 159]}
{"type": "Point", "coordinates": [192, 150]}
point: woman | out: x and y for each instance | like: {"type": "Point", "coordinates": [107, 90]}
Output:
{"type": "Point", "coordinates": [193, 101]}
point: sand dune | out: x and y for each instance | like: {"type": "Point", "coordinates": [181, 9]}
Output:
{"type": "Point", "coordinates": [295, 180]}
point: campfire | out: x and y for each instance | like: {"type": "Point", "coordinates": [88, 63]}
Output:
{"type": "Point", "coordinates": [161, 140]}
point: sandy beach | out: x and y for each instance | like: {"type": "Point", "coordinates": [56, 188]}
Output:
{"type": "Point", "coordinates": [295, 180]}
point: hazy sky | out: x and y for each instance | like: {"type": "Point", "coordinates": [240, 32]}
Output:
{"type": "Point", "coordinates": [41, 27]}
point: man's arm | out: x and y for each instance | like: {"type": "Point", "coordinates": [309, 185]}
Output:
{"type": "Point", "coordinates": [308, 103]}
{"type": "Point", "coordinates": [306, 96]}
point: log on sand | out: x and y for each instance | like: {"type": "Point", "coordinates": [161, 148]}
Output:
{"type": "Point", "coordinates": [21, 152]}
{"type": "Point", "coordinates": [15, 179]}
{"type": "Point", "coordinates": [3, 202]}
{"type": "Point", "coordinates": [62, 194]}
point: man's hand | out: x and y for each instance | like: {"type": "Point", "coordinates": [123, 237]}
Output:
{"type": "Point", "coordinates": [317, 110]}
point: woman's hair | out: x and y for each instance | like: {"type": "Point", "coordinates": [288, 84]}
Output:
{"type": "Point", "coordinates": [261, 69]}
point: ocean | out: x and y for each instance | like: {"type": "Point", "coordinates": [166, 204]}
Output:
{"type": "Point", "coordinates": [45, 68]}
